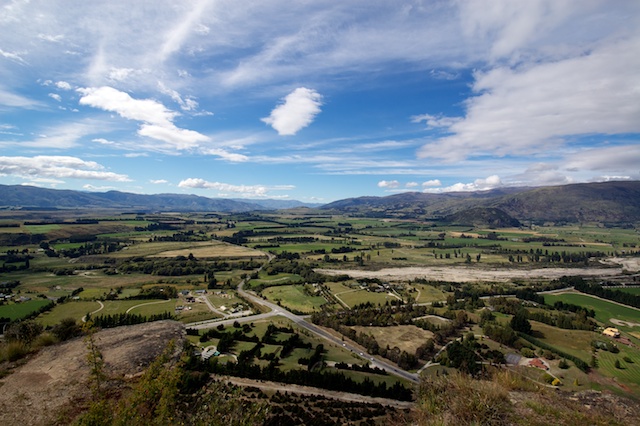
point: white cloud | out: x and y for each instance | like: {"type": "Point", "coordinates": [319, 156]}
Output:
{"type": "Point", "coordinates": [57, 167]}
{"type": "Point", "coordinates": [432, 183]}
{"type": "Point", "coordinates": [10, 99]}
{"type": "Point", "coordinates": [536, 107]}
{"type": "Point", "coordinates": [388, 184]}
{"type": "Point", "coordinates": [186, 103]}
{"type": "Point", "coordinates": [63, 85]}
{"type": "Point", "coordinates": [103, 141]}
{"type": "Point", "coordinates": [110, 99]}
{"type": "Point", "coordinates": [158, 181]}
{"type": "Point", "coordinates": [411, 184]}
{"type": "Point", "coordinates": [478, 185]}
{"type": "Point", "coordinates": [260, 191]}
{"type": "Point", "coordinates": [229, 156]}
{"type": "Point", "coordinates": [94, 188]}
{"type": "Point", "coordinates": [434, 122]}
{"type": "Point", "coordinates": [444, 75]}
{"type": "Point", "coordinates": [55, 96]}
{"type": "Point", "coordinates": [297, 111]}
{"type": "Point", "coordinates": [175, 136]}
{"type": "Point", "coordinates": [625, 158]}
{"type": "Point", "coordinates": [52, 38]}
{"type": "Point", "coordinates": [157, 119]}
{"type": "Point", "coordinates": [122, 74]}
{"type": "Point", "coordinates": [13, 56]}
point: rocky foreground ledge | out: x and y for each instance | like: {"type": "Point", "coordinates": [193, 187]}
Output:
{"type": "Point", "coordinates": [43, 391]}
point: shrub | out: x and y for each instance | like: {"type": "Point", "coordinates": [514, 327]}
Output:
{"type": "Point", "coordinates": [15, 350]}
{"type": "Point", "coordinates": [548, 378]}
{"type": "Point", "coordinates": [526, 352]}
{"type": "Point", "coordinates": [45, 339]}
{"type": "Point", "coordinates": [67, 329]}
{"type": "Point", "coordinates": [457, 399]}
{"type": "Point", "coordinates": [563, 364]}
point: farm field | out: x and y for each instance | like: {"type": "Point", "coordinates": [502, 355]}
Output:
{"type": "Point", "coordinates": [20, 310]}
{"type": "Point", "coordinates": [74, 309]}
{"type": "Point", "coordinates": [294, 298]}
{"type": "Point", "coordinates": [210, 250]}
{"type": "Point", "coordinates": [405, 337]}
{"type": "Point", "coordinates": [630, 290]}
{"type": "Point", "coordinates": [387, 260]}
{"type": "Point", "coordinates": [605, 311]}
{"type": "Point", "coordinates": [574, 342]}
{"type": "Point", "coordinates": [629, 373]}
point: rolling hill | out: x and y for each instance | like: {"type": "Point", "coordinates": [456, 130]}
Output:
{"type": "Point", "coordinates": [20, 196]}
{"type": "Point", "coordinates": [614, 202]}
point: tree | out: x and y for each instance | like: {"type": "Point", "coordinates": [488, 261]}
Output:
{"type": "Point", "coordinates": [519, 322]}
{"type": "Point", "coordinates": [23, 331]}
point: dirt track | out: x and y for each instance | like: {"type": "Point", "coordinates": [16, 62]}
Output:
{"type": "Point", "coordinates": [306, 390]}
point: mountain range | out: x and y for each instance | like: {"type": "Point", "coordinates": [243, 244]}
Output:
{"type": "Point", "coordinates": [615, 202]}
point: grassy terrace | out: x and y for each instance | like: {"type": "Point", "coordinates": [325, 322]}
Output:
{"type": "Point", "coordinates": [605, 310]}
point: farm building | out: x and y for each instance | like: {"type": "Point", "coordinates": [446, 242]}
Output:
{"type": "Point", "coordinates": [611, 332]}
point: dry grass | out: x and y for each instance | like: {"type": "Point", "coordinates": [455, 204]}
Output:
{"type": "Point", "coordinates": [211, 250]}
{"type": "Point", "coordinates": [507, 398]}
{"type": "Point", "coordinates": [405, 337]}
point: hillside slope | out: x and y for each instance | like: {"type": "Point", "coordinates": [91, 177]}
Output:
{"type": "Point", "coordinates": [614, 202]}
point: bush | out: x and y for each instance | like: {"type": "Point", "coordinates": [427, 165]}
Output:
{"type": "Point", "coordinates": [13, 351]}
{"type": "Point", "coordinates": [563, 364]}
{"type": "Point", "coordinates": [23, 331]}
{"type": "Point", "coordinates": [526, 352]}
{"type": "Point", "coordinates": [67, 329]}
{"type": "Point", "coordinates": [45, 339]}
{"type": "Point", "coordinates": [548, 378]}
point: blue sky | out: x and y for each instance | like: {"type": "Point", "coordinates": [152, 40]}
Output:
{"type": "Point", "coordinates": [318, 101]}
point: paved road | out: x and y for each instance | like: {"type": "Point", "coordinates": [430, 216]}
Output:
{"type": "Point", "coordinates": [301, 322]}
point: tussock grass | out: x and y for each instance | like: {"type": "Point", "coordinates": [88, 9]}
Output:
{"type": "Point", "coordinates": [457, 399]}
{"type": "Point", "coordinates": [507, 398]}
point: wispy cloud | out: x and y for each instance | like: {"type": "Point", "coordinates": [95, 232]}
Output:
{"type": "Point", "coordinates": [259, 191]}
{"type": "Point", "coordinates": [534, 108]}
{"type": "Point", "coordinates": [58, 167]}
{"type": "Point", "coordinates": [298, 110]}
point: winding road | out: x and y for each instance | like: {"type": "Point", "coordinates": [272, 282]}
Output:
{"type": "Point", "coordinates": [301, 322]}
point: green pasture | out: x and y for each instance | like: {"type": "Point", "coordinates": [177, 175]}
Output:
{"type": "Point", "coordinates": [228, 298]}
{"type": "Point", "coordinates": [629, 373]}
{"type": "Point", "coordinates": [153, 307]}
{"type": "Point", "coordinates": [630, 290]}
{"type": "Point", "coordinates": [16, 311]}
{"type": "Point", "coordinates": [604, 310]}
{"type": "Point", "coordinates": [274, 280]}
{"type": "Point", "coordinates": [72, 309]}
{"type": "Point", "coordinates": [427, 293]}
{"type": "Point", "coordinates": [363, 296]}
{"type": "Point", "coordinates": [41, 229]}
{"type": "Point", "coordinates": [294, 297]}
{"type": "Point", "coordinates": [574, 342]}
